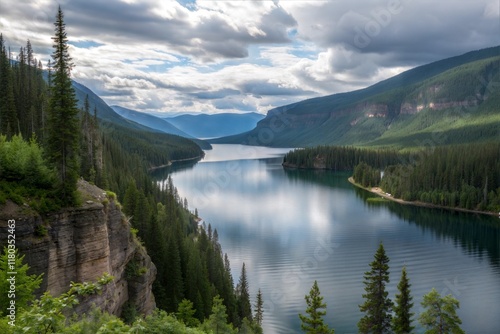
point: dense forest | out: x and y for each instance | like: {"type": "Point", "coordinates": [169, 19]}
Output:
{"type": "Point", "coordinates": [464, 176]}
{"type": "Point", "coordinates": [342, 158]}
{"type": "Point", "coordinates": [39, 162]}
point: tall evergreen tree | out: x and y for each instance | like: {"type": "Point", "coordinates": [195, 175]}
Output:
{"type": "Point", "coordinates": [440, 316]}
{"type": "Point", "coordinates": [217, 322]}
{"type": "Point", "coordinates": [377, 306]}
{"type": "Point", "coordinates": [313, 323]}
{"type": "Point", "coordinates": [63, 132]}
{"type": "Point", "coordinates": [401, 323]}
{"type": "Point", "coordinates": [243, 296]}
{"type": "Point", "coordinates": [259, 308]}
{"type": "Point", "coordinates": [8, 113]}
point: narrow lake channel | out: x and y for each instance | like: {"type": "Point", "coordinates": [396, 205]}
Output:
{"type": "Point", "coordinates": [293, 227]}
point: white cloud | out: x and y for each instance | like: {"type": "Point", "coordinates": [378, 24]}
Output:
{"type": "Point", "coordinates": [215, 56]}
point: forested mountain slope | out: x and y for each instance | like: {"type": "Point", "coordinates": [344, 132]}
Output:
{"type": "Point", "coordinates": [454, 100]}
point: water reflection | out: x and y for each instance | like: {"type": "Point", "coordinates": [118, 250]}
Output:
{"type": "Point", "coordinates": [275, 220]}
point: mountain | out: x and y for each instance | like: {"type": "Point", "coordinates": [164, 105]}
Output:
{"type": "Point", "coordinates": [450, 101]}
{"type": "Point", "coordinates": [150, 121]}
{"type": "Point", "coordinates": [104, 111]}
{"type": "Point", "coordinates": [158, 124]}
{"type": "Point", "coordinates": [216, 125]}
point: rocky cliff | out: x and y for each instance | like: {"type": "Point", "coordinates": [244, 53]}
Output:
{"type": "Point", "coordinates": [81, 244]}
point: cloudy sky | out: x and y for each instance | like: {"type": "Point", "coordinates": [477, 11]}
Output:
{"type": "Point", "coordinates": [239, 56]}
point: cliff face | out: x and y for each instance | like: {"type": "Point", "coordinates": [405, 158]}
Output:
{"type": "Point", "coordinates": [81, 244]}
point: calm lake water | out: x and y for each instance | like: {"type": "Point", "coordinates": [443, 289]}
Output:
{"type": "Point", "coordinates": [293, 227]}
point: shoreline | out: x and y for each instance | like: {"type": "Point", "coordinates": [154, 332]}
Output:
{"type": "Point", "coordinates": [378, 191]}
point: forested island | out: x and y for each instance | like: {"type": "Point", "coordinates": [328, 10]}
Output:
{"type": "Point", "coordinates": [453, 176]}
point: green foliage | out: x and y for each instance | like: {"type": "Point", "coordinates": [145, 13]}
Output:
{"type": "Point", "coordinates": [243, 296]}
{"type": "Point", "coordinates": [342, 158]}
{"type": "Point", "coordinates": [129, 312]}
{"type": "Point", "coordinates": [313, 323]}
{"type": "Point", "coordinates": [185, 313]}
{"type": "Point", "coordinates": [377, 306]}
{"type": "Point", "coordinates": [48, 314]}
{"type": "Point", "coordinates": [162, 323]}
{"type": "Point", "coordinates": [366, 175]}
{"type": "Point", "coordinates": [465, 176]}
{"type": "Point", "coordinates": [25, 285]}
{"type": "Point", "coordinates": [23, 162]}
{"type": "Point", "coordinates": [401, 323]}
{"type": "Point", "coordinates": [217, 322]}
{"type": "Point", "coordinates": [440, 315]}
{"type": "Point", "coordinates": [63, 129]}
{"type": "Point", "coordinates": [259, 309]}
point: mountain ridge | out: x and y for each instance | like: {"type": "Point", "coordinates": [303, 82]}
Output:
{"type": "Point", "coordinates": [216, 125]}
{"type": "Point", "coordinates": [462, 85]}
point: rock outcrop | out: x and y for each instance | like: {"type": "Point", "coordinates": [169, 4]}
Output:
{"type": "Point", "coordinates": [81, 244]}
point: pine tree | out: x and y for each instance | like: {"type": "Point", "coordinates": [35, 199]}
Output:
{"type": "Point", "coordinates": [440, 316]}
{"type": "Point", "coordinates": [377, 306]}
{"type": "Point", "coordinates": [185, 313]}
{"type": "Point", "coordinates": [8, 113]}
{"type": "Point", "coordinates": [259, 311]}
{"type": "Point", "coordinates": [63, 129]}
{"type": "Point", "coordinates": [401, 323]}
{"type": "Point", "coordinates": [25, 284]}
{"type": "Point", "coordinates": [217, 322]}
{"type": "Point", "coordinates": [314, 323]}
{"type": "Point", "coordinates": [243, 297]}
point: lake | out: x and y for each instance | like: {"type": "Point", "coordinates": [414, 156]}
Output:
{"type": "Point", "coordinates": [292, 227]}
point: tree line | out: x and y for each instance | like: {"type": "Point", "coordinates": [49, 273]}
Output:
{"type": "Point", "coordinates": [381, 314]}
{"type": "Point", "coordinates": [66, 143]}
{"type": "Point", "coordinates": [342, 158]}
{"type": "Point", "coordinates": [464, 176]}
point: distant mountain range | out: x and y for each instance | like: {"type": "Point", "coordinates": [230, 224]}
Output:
{"type": "Point", "coordinates": [150, 121]}
{"type": "Point", "coordinates": [455, 100]}
{"type": "Point", "coordinates": [216, 125]}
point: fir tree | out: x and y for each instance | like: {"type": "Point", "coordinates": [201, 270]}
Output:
{"type": "Point", "coordinates": [25, 284]}
{"type": "Point", "coordinates": [243, 297]}
{"type": "Point", "coordinates": [377, 306]}
{"type": "Point", "coordinates": [401, 323]}
{"type": "Point", "coordinates": [63, 129]}
{"type": "Point", "coordinates": [185, 313]}
{"type": "Point", "coordinates": [217, 322]}
{"type": "Point", "coordinates": [313, 322]}
{"type": "Point", "coordinates": [440, 316]}
{"type": "Point", "coordinates": [259, 311]}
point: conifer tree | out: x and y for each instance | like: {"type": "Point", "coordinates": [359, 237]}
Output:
{"type": "Point", "coordinates": [63, 129]}
{"type": "Point", "coordinates": [259, 311]}
{"type": "Point", "coordinates": [25, 284]}
{"type": "Point", "coordinates": [185, 313]}
{"type": "Point", "coordinates": [217, 322]}
{"type": "Point", "coordinates": [401, 323]}
{"type": "Point", "coordinates": [440, 316]}
{"type": "Point", "coordinates": [243, 296]}
{"type": "Point", "coordinates": [377, 306]}
{"type": "Point", "coordinates": [8, 113]}
{"type": "Point", "coordinates": [313, 323]}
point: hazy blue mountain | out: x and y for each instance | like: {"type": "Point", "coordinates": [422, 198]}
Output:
{"type": "Point", "coordinates": [112, 121]}
{"type": "Point", "coordinates": [216, 125]}
{"type": "Point", "coordinates": [456, 99]}
{"type": "Point", "coordinates": [158, 124]}
{"type": "Point", "coordinates": [150, 121]}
